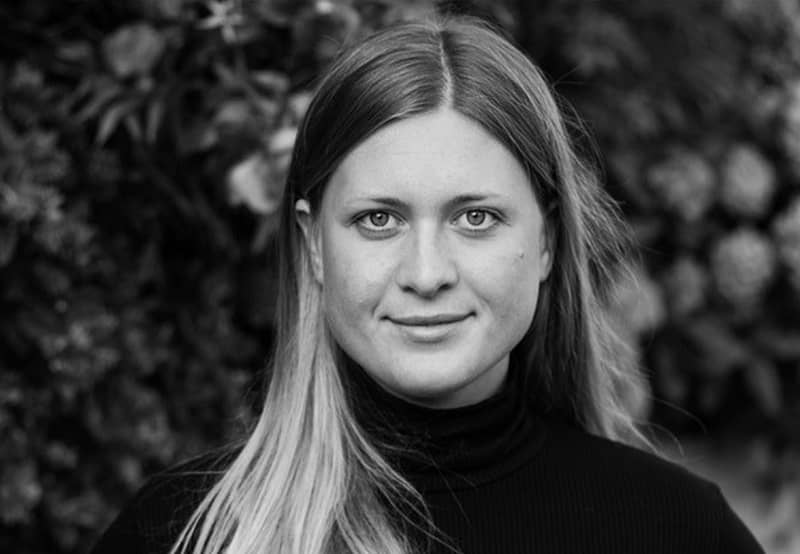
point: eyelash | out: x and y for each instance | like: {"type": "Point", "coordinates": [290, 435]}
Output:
{"type": "Point", "coordinates": [498, 219]}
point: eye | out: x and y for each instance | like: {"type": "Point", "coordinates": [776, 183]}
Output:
{"type": "Point", "coordinates": [477, 217]}
{"type": "Point", "coordinates": [375, 220]}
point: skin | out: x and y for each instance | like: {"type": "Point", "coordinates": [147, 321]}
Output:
{"type": "Point", "coordinates": [375, 261]}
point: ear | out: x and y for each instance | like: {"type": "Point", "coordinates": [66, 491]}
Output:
{"type": "Point", "coordinates": [546, 247]}
{"type": "Point", "coordinates": [547, 264]}
{"type": "Point", "coordinates": [306, 221]}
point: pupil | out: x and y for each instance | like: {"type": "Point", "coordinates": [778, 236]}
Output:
{"type": "Point", "coordinates": [480, 217]}
{"type": "Point", "coordinates": [378, 219]}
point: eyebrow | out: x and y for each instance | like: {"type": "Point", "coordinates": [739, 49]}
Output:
{"type": "Point", "coordinates": [453, 202]}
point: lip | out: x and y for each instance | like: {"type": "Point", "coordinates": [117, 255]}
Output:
{"type": "Point", "coordinates": [429, 320]}
{"type": "Point", "coordinates": [429, 332]}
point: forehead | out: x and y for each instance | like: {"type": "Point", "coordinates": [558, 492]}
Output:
{"type": "Point", "coordinates": [428, 156]}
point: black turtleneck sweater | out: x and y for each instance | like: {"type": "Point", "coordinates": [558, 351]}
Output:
{"type": "Point", "coordinates": [498, 478]}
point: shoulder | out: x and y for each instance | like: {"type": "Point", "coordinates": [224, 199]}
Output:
{"type": "Point", "coordinates": [152, 520]}
{"type": "Point", "coordinates": [650, 491]}
{"type": "Point", "coordinates": [601, 456]}
{"type": "Point", "coordinates": [612, 461]}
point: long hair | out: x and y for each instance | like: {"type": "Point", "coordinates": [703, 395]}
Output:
{"type": "Point", "coordinates": [308, 480]}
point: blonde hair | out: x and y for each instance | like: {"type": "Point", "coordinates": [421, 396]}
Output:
{"type": "Point", "coordinates": [308, 480]}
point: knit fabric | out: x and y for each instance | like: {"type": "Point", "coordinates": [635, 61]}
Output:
{"type": "Point", "coordinates": [498, 478]}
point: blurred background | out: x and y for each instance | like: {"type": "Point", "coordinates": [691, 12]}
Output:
{"type": "Point", "coordinates": [143, 146]}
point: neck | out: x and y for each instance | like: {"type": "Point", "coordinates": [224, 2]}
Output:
{"type": "Point", "coordinates": [425, 442]}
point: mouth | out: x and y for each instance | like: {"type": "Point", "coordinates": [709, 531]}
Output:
{"type": "Point", "coordinates": [429, 320]}
{"type": "Point", "coordinates": [429, 329]}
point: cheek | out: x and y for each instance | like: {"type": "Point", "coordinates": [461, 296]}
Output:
{"type": "Point", "coordinates": [509, 281]}
{"type": "Point", "coordinates": [353, 280]}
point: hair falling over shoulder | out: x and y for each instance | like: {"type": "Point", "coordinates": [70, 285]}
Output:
{"type": "Point", "coordinates": [308, 480]}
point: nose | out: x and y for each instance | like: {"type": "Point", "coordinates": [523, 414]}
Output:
{"type": "Point", "coordinates": [427, 264]}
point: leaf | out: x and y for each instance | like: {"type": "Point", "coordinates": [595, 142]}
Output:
{"type": "Point", "coordinates": [234, 113]}
{"type": "Point", "coordinates": [228, 78]}
{"type": "Point", "coordinates": [105, 90]}
{"type": "Point", "coordinates": [161, 9]}
{"type": "Point", "coordinates": [155, 114]}
{"type": "Point", "coordinates": [78, 52]}
{"type": "Point", "coordinates": [270, 82]}
{"type": "Point", "coordinates": [764, 383]}
{"type": "Point", "coordinates": [112, 117]}
{"type": "Point", "coordinates": [133, 126]}
{"type": "Point", "coordinates": [779, 343]}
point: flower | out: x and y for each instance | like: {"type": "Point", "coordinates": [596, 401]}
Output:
{"type": "Point", "coordinates": [685, 284]}
{"type": "Point", "coordinates": [743, 264]}
{"type": "Point", "coordinates": [133, 50]}
{"type": "Point", "coordinates": [684, 182]}
{"type": "Point", "coordinates": [748, 181]}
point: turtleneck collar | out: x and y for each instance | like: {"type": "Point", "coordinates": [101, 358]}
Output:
{"type": "Point", "coordinates": [452, 447]}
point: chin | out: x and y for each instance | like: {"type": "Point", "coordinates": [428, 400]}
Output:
{"type": "Point", "coordinates": [429, 384]}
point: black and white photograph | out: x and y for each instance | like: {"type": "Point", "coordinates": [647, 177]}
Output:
{"type": "Point", "coordinates": [400, 277]}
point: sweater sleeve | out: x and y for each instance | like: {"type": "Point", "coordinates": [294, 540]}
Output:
{"type": "Point", "coordinates": [733, 535]}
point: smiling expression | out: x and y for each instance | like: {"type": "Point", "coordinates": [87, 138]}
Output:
{"type": "Point", "coordinates": [430, 216]}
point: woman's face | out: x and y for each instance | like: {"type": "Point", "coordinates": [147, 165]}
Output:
{"type": "Point", "coordinates": [430, 217]}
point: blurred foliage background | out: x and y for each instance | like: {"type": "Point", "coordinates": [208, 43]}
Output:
{"type": "Point", "coordinates": [143, 146]}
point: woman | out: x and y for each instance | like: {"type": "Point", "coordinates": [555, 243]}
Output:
{"type": "Point", "coordinates": [443, 377]}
